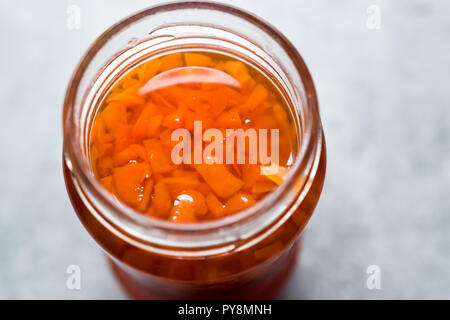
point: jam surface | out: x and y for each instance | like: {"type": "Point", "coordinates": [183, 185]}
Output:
{"type": "Point", "coordinates": [165, 140]}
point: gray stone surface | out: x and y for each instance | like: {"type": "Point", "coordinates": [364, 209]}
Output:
{"type": "Point", "coordinates": [385, 108]}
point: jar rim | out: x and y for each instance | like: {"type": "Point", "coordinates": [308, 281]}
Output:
{"type": "Point", "coordinates": [303, 161]}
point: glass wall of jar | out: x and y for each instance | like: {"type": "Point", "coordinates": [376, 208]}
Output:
{"type": "Point", "coordinates": [246, 255]}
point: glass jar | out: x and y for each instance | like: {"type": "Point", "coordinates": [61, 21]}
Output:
{"type": "Point", "coordinates": [246, 255]}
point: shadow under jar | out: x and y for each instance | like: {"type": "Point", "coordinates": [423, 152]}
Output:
{"type": "Point", "coordinates": [248, 255]}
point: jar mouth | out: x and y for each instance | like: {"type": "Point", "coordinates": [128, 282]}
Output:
{"type": "Point", "coordinates": [243, 225]}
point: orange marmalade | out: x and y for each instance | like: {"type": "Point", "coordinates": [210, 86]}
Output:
{"type": "Point", "coordinates": [188, 136]}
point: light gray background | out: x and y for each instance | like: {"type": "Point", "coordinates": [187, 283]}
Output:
{"type": "Point", "coordinates": [384, 102]}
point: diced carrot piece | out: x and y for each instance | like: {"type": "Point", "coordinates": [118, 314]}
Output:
{"type": "Point", "coordinates": [100, 137]}
{"type": "Point", "coordinates": [204, 107]}
{"type": "Point", "coordinates": [219, 102]}
{"type": "Point", "coordinates": [204, 117]}
{"type": "Point", "coordinates": [238, 202]}
{"type": "Point", "coordinates": [263, 187]}
{"type": "Point", "coordinates": [130, 82]}
{"type": "Point", "coordinates": [174, 189]}
{"type": "Point", "coordinates": [114, 116]}
{"type": "Point", "coordinates": [221, 181]}
{"type": "Point", "coordinates": [183, 213]}
{"type": "Point", "coordinates": [171, 61]}
{"type": "Point", "coordinates": [184, 181]}
{"type": "Point", "coordinates": [140, 128]}
{"type": "Point", "coordinates": [228, 119]}
{"type": "Point", "coordinates": [200, 206]}
{"type": "Point", "coordinates": [173, 94]}
{"type": "Point", "coordinates": [161, 201]}
{"type": "Point", "coordinates": [123, 137]}
{"type": "Point", "coordinates": [123, 157]}
{"type": "Point", "coordinates": [214, 205]}
{"type": "Point", "coordinates": [250, 174]}
{"type": "Point", "coordinates": [266, 121]}
{"type": "Point", "coordinates": [134, 113]}
{"type": "Point", "coordinates": [238, 70]}
{"type": "Point", "coordinates": [149, 69]}
{"type": "Point", "coordinates": [248, 86]}
{"type": "Point", "coordinates": [128, 180]}
{"type": "Point", "coordinates": [134, 152]}
{"type": "Point", "coordinates": [159, 160]}
{"type": "Point", "coordinates": [151, 212]}
{"type": "Point", "coordinates": [265, 105]}
{"type": "Point", "coordinates": [99, 133]}
{"type": "Point", "coordinates": [105, 149]}
{"type": "Point", "coordinates": [189, 119]}
{"type": "Point", "coordinates": [161, 101]}
{"type": "Point", "coordinates": [195, 197]}
{"type": "Point", "coordinates": [105, 166]}
{"type": "Point", "coordinates": [231, 94]}
{"type": "Point", "coordinates": [133, 90]}
{"type": "Point", "coordinates": [275, 172]}
{"type": "Point", "coordinates": [158, 176]}
{"type": "Point", "coordinates": [197, 59]}
{"type": "Point", "coordinates": [223, 97]}
{"type": "Point", "coordinates": [107, 183]}
{"type": "Point", "coordinates": [236, 169]}
{"type": "Point", "coordinates": [146, 196]}
{"type": "Point", "coordinates": [154, 124]}
{"type": "Point", "coordinates": [256, 97]}
{"type": "Point", "coordinates": [204, 188]}
{"type": "Point", "coordinates": [173, 120]}
{"type": "Point", "coordinates": [126, 99]}
{"type": "Point", "coordinates": [280, 114]}
{"type": "Point", "coordinates": [165, 138]}
{"type": "Point", "coordinates": [140, 151]}
{"type": "Point", "coordinates": [219, 65]}
{"type": "Point", "coordinates": [185, 173]}
{"type": "Point", "coordinates": [191, 99]}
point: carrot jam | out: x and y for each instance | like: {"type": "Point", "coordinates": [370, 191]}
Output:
{"type": "Point", "coordinates": [132, 143]}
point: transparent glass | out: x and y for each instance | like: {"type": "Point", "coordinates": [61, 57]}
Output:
{"type": "Point", "coordinates": [246, 255]}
